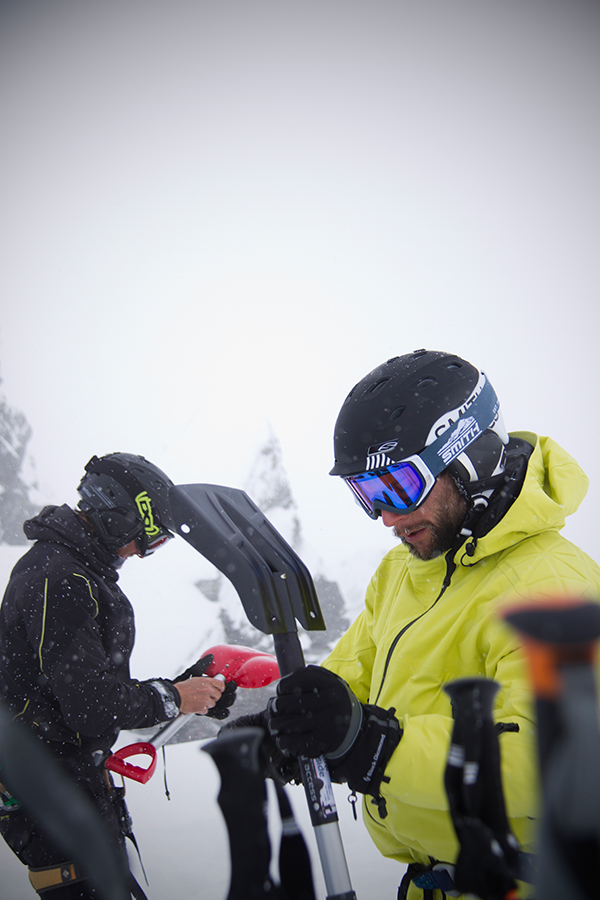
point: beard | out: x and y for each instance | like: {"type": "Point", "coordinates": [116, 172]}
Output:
{"type": "Point", "coordinates": [445, 519]}
{"type": "Point", "coordinates": [442, 538]}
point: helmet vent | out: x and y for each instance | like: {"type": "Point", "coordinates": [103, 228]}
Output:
{"type": "Point", "coordinates": [426, 382]}
{"type": "Point", "coordinates": [378, 386]}
{"type": "Point", "coordinates": [396, 413]}
{"type": "Point", "coordinates": [454, 365]}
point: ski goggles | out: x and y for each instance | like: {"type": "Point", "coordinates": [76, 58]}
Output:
{"type": "Point", "coordinates": [403, 486]}
{"type": "Point", "coordinates": [149, 544]}
{"type": "Point", "coordinates": [400, 487]}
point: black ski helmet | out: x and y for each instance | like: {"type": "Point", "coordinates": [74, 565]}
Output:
{"type": "Point", "coordinates": [403, 405]}
{"type": "Point", "coordinates": [126, 498]}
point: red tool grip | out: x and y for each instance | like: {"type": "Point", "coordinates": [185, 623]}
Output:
{"type": "Point", "coordinates": [247, 667]}
{"type": "Point", "coordinates": [117, 762]}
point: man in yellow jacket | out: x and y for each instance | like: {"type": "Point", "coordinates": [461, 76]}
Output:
{"type": "Point", "coordinates": [420, 442]}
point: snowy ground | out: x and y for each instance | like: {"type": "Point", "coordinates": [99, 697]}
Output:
{"type": "Point", "coordinates": [183, 841]}
{"type": "Point", "coordinates": [184, 844]}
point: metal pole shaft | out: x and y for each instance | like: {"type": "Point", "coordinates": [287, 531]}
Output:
{"type": "Point", "coordinates": [318, 790]}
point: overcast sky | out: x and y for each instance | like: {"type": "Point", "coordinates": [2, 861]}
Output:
{"type": "Point", "coordinates": [218, 216]}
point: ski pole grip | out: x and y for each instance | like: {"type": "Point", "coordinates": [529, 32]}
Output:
{"type": "Point", "coordinates": [117, 762]}
{"type": "Point", "coordinates": [472, 697]}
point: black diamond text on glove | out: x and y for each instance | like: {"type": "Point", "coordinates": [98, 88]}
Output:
{"type": "Point", "coordinates": [315, 713]}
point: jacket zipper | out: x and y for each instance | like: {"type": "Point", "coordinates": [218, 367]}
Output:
{"type": "Point", "coordinates": [450, 567]}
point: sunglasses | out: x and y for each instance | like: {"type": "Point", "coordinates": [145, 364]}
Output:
{"type": "Point", "coordinates": [403, 486]}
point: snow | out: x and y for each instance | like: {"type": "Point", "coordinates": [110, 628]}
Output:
{"type": "Point", "coordinates": [183, 841]}
{"type": "Point", "coordinates": [184, 845]}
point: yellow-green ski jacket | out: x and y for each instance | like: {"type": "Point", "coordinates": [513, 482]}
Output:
{"type": "Point", "coordinates": [412, 638]}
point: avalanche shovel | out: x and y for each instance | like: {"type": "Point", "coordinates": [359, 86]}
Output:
{"type": "Point", "coordinates": [248, 668]}
{"type": "Point", "coordinates": [276, 590]}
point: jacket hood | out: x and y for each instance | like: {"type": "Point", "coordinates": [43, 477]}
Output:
{"type": "Point", "coordinates": [61, 525]}
{"type": "Point", "coordinates": [553, 488]}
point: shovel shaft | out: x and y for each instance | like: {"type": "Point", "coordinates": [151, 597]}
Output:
{"type": "Point", "coordinates": [318, 790]}
{"type": "Point", "coordinates": [167, 731]}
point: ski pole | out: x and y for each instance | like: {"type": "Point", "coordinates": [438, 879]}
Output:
{"type": "Point", "coordinates": [248, 668]}
{"type": "Point", "coordinates": [63, 810]}
{"type": "Point", "coordinates": [561, 639]}
{"type": "Point", "coordinates": [243, 801]}
{"type": "Point", "coordinates": [237, 757]}
{"type": "Point", "coordinates": [488, 858]}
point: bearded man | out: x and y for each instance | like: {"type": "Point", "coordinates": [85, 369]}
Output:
{"type": "Point", "coordinates": [421, 443]}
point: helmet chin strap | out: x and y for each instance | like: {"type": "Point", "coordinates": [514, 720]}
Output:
{"type": "Point", "coordinates": [487, 504]}
{"type": "Point", "coordinates": [478, 495]}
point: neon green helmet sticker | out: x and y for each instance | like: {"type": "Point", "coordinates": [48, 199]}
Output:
{"type": "Point", "coordinates": [144, 504]}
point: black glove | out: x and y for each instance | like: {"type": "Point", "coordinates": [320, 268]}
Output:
{"type": "Point", "coordinates": [315, 713]}
{"type": "Point", "coordinates": [221, 708]}
{"type": "Point", "coordinates": [277, 766]}
{"type": "Point", "coordinates": [197, 669]}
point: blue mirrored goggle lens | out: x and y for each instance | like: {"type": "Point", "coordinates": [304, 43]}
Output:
{"type": "Point", "coordinates": [398, 486]}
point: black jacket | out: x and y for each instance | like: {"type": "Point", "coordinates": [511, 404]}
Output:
{"type": "Point", "coordinates": [66, 636]}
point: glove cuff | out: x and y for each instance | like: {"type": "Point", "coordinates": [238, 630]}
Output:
{"type": "Point", "coordinates": [363, 766]}
{"type": "Point", "coordinates": [354, 729]}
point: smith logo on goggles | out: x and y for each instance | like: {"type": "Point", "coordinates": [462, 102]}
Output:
{"type": "Point", "coordinates": [403, 486]}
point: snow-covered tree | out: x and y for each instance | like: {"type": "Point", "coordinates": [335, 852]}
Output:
{"type": "Point", "coordinates": [15, 502]}
{"type": "Point", "coordinates": [268, 485]}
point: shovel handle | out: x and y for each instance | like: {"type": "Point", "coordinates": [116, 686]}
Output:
{"type": "Point", "coordinates": [117, 762]}
{"type": "Point", "coordinates": [250, 668]}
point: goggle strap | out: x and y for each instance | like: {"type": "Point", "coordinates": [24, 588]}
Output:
{"type": "Point", "coordinates": [454, 440]}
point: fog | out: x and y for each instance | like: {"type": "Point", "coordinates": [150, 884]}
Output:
{"type": "Point", "coordinates": [218, 216]}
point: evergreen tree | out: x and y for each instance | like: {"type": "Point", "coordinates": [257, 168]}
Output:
{"type": "Point", "coordinates": [269, 487]}
{"type": "Point", "coordinates": [15, 502]}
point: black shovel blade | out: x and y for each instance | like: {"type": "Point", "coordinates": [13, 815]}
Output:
{"type": "Point", "coordinates": [227, 528]}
